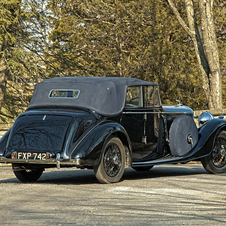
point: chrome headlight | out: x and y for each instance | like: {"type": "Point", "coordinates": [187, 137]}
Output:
{"type": "Point", "coordinates": [205, 117]}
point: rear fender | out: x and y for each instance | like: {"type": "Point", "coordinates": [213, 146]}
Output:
{"type": "Point", "coordinates": [3, 142]}
{"type": "Point", "coordinates": [90, 148]}
{"type": "Point", "coordinates": [207, 135]}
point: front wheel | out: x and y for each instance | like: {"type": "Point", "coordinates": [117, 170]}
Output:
{"type": "Point", "coordinates": [216, 161]}
{"type": "Point", "coordinates": [112, 163]}
{"type": "Point", "coordinates": [30, 175]}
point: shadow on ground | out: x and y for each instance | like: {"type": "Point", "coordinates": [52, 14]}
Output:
{"type": "Point", "coordinates": [87, 176]}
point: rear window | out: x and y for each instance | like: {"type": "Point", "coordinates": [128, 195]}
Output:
{"type": "Point", "coordinates": [60, 93]}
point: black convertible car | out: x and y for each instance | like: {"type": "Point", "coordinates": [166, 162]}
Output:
{"type": "Point", "coordinates": [108, 124]}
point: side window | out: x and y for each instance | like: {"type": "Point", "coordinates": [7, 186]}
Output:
{"type": "Point", "coordinates": [134, 97]}
{"type": "Point", "coordinates": [151, 98]}
{"type": "Point", "coordinates": [156, 97]}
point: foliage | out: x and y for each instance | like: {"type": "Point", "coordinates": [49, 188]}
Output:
{"type": "Point", "coordinates": [141, 39]}
{"type": "Point", "coordinates": [17, 98]}
{"type": "Point", "coordinates": [21, 65]}
{"type": "Point", "coordinates": [125, 38]}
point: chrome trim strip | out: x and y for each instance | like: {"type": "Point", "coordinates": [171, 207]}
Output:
{"type": "Point", "coordinates": [162, 112]}
{"type": "Point", "coordinates": [139, 112]}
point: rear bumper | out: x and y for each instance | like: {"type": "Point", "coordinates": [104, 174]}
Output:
{"type": "Point", "coordinates": [57, 162]}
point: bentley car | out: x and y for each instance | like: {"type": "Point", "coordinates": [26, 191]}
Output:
{"type": "Point", "coordinates": [107, 124]}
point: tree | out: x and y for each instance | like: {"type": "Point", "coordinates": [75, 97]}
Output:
{"type": "Point", "coordinates": [125, 38]}
{"type": "Point", "coordinates": [20, 64]}
{"type": "Point", "coordinates": [100, 37]}
{"type": "Point", "coordinates": [8, 28]}
{"type": "Point", "coordinates": [206, 49]}
{"type": "Point", "coordinates": [220, 18]}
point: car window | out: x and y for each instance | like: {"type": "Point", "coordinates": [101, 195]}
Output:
{"type": "Point", "coordinates": [59, 93]}
{"type": "Point", "coordinates": [151, 98]}
{"type": "Point", "coordinates": [134, 97]}
{"type": "Point", "coordinates": [156, 97]}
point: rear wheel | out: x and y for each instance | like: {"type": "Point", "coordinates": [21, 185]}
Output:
{"type": "Point", "coordinates": [29, 175]}
{"type": "Point", "coordinates": [112, 163]}
{"type": "Point", "coordinates": [216, 161]}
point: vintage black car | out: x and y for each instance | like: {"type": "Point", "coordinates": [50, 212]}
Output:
{"type": "Point", "coordinates": [108, 124]}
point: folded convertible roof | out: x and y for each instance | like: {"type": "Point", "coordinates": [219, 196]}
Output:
{"type": "Point", "coordinates": [104, 95]}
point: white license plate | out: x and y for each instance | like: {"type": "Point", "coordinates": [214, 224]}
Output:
{"type": "Point", "coordinates": [30, 155]}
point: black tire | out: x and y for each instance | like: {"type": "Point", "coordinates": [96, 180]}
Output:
{"type": "Point", "coordinates": [142, 168]}
{"type": "Point", "coordinates": [112, 163]}
{"type": "Point", "coordinates": [215, 163]}
{"type": "Point", "coordinates": [30, 175]}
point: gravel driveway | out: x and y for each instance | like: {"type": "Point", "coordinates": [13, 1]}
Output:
{"type": "Point", "coordinates": [165, 195]}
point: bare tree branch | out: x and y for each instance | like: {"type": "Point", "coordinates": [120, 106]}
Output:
{"type": "Point", "coordinates": [180, 19]}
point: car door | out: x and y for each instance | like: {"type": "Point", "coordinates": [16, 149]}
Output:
{"type": "Point", "coordinates": [152, 113]}
{"type": "Point", "coordinates": [141, 119]}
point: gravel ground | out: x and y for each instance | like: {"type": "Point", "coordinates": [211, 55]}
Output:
{"type": "Point", "coordinates": [165, 195]}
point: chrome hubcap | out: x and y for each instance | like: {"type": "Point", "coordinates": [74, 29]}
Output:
{"type": "Point", "coordinates": [116, 160]}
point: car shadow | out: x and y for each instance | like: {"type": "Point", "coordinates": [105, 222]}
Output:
{"type": "Point", "coordinates": [88, 177]}
{"type": "Point", "coordinates": [162, 171]}
{"type": "Point", "coordinates": [60, 177]}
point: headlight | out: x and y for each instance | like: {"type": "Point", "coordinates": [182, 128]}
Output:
{"type": "Point", "coordinates": [205, 117]}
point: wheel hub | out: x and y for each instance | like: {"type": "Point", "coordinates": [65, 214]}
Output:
{"type": "Point", "coordinates": [112, 160]}
{"type": "Point", "coordinates": [116, 160]}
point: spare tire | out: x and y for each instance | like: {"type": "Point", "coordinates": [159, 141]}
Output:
{"type": "Point", "coordinates": [183, 135]}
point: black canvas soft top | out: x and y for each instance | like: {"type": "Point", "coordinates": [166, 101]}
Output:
{"type": "Point", "coordinates": [104, 95]}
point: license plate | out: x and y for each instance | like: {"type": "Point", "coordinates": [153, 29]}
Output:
{"type": "Point", "coordinates": [30, 156]}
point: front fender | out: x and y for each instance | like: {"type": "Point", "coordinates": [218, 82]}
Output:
{"type": "Point", "coordinates": [207, 136]}
{"type": "Point", "coordinates": [90, 147]}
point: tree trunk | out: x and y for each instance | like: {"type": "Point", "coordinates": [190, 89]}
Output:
{"type": "Point", "coordinates": [206, 48]}
{"type": "Point", "coordinates": [211, 51]}
{"type": "Point", "coordinates": [119, 60]}
{"type": "Point", "coordinates": [3, 76]}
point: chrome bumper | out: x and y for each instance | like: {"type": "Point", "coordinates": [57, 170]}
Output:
{"type": "Point", "coordinates": [58, 162]}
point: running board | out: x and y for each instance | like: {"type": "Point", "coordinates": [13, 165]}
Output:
{"type": "Point", "coordinates": [164, 160]}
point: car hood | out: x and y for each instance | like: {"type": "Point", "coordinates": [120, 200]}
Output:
{"type": "Point", "coordinates": [39, 131]}
{"type": "Point", "coordinates": [181, 109]}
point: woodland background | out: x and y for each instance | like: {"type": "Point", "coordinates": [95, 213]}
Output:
{"type": "Point", "coordinates": [41, 39]}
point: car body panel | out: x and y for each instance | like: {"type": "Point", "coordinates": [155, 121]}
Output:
{"type": "Point", "coordinates": [89, 148]}
{"type": "Point", "coordinates": [145, 137]}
